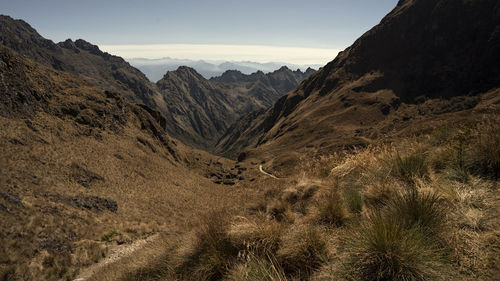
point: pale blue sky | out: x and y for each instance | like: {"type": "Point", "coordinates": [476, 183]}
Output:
{"type": "Point", "coordinates": [327, 24]}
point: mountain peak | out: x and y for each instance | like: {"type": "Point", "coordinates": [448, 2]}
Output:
{"type": "Point", "coordinates": [93, 49]}
{"type": "Point", "coordinates": [230, 76]}
{"type": "Point", "coordinates": [184, 73]}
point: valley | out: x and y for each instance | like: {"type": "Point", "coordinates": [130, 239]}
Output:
{"type": "Point", "coordinates": [383, 164]}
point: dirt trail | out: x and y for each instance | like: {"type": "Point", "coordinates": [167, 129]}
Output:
{"type": "Point", "coordinates": [266, 173]}
{"type": "Point", "coordinates": [116, 255]}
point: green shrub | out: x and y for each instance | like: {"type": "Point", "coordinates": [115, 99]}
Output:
{"type": "Point", "coordinates": [409, 168]}
{"type": "Point", "coordinates": [384, 248]}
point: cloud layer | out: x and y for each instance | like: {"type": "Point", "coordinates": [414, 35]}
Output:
{"type": "Point", "coordinates": [257, 53]}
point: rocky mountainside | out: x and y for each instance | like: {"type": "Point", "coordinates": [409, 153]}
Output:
{"type": "Point", "coordinates": [103, 70]}
{"type": "Point", "coordinates": [418, 61]}
{"type": "Point", "coordinates": [196, 111]}
{"type": "Point", "coordinates": [200, 111]}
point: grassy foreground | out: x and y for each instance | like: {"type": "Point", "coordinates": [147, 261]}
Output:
{"type": "Point", "coordinates": [425, 208]}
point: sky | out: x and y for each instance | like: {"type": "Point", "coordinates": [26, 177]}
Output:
{"type": "Point", "coordinates": [294, 31]}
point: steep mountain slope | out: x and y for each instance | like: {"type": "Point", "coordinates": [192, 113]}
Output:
{"type": "Point", "coordinates": [80, 57]}
{"type": "Point", "coordinates": [199, 111]}
{"type": "Point", "coordinates": [83, 169]}
{"type": "Point", "coordinates": [394, 76]}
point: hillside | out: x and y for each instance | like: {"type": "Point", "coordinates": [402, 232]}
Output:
{"type": "Point", "coordinates": [83, 170]}
{"type": "Point", "coordinates": [403, 73]}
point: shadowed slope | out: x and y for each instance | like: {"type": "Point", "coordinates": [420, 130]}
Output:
{"type": "Point", "coordinates": [422, 50]}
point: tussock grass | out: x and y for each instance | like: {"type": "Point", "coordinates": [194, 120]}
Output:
{"type": "Point", "coordinates": [259, 237]}
{"type": "Point", "coordinates": [409, 168]}
{"type": "Point", "coordinates": [303, 250]}
{"type": "Point", "coordinates": [384, 248]}
{"type": "Point", "coordinates": [484, 155]}
{"type": "Point", "coordinates": [418, 209]}
{"type": "Point", "coordinates": [331, 209]}
{"type": "Point", "coordinates": [258, 269]}
{"type": "Point", "coordinates": [378, 215]}
{"type": "Point", "coordinates": [354, 200]}
{"type": "Point", "coordinates": [212, 251]}
{"type": "Point", "coordinates": [277, 210]}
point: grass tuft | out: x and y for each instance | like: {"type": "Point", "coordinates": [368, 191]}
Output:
{"type": "Point", "coordinates": [354, 200]}
{"type": "Point", "coordinates": [417, 209]}
{"type": "Point", "coordinates": [303, 251]}
{"type": "Point", "coordinates": [484, 156]}
{"type": "Point", "coordinates": [212, 251]}
{"type": "Point", "coordinates": [331, 210]}
{"type": "Point", "coordinates": [385, 249]}
{"type": "Point", "coordinates": [409, 168]}
{"type": "Point", "coordinates": [258, 269]}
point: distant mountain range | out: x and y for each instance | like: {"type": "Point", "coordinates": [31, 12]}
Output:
{"type": "Point", "coordinates": [156, 68]}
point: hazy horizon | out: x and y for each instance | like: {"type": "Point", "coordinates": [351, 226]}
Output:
{"type": "Point", "coordinates": [293, 31]}
{"type": "Point", "coordinates": [236, 53]}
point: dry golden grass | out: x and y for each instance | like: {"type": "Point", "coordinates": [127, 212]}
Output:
{"type": "Point", "coordinates": [350, 215]}
{"type": "Point", "coordinates": [427, 226]}
{"type": "Point", "coordinates": [50, 161]}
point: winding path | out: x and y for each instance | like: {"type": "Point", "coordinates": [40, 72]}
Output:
{"type": "Point", "coordinates": [118, 253]}
{"type": "Point", "coordinates": [266, 173]}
